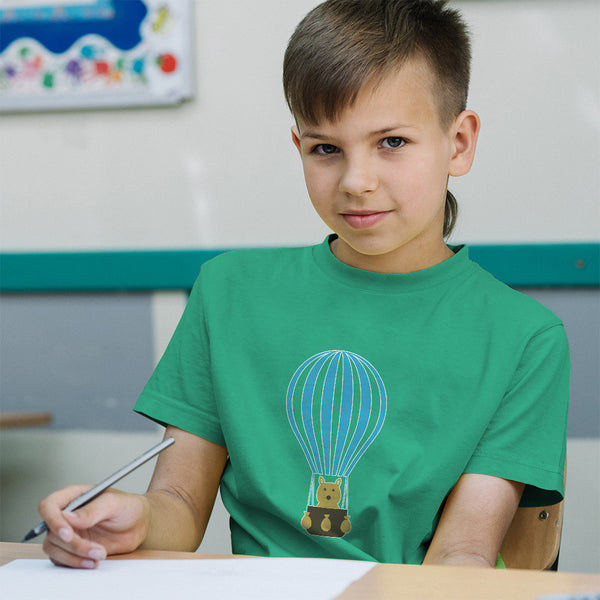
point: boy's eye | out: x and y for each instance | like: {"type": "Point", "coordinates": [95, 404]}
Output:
{"type": "Point", "coordinates": [325, 149]}
{"type": "Point", "coordinates": [393, 142]}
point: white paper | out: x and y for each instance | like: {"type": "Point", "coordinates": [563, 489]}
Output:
{"type": "Point", "coordinates": [247, 578]}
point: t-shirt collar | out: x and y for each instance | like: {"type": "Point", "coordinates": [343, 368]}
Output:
{"type": "Point", "coordinates": [451, 268]}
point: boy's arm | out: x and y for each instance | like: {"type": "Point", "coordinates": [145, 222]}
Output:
{"type": "Point", "coordinates": [475, 519]}
{"type": "Point", "coordinates": [172, 515]}
{"type": "Point", "coordinates": [182, 492]}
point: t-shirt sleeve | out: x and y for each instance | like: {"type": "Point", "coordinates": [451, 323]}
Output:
{"type": "Point", "coordinates": [180, 391]}
{"type": "Point", "coordinates": [526, 439]}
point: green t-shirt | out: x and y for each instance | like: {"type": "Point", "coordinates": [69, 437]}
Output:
{"type": "Point", "coordinates": [351, 402]}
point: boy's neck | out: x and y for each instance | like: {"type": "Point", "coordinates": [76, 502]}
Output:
{"type": "Point", "coordinates": [403, 260]}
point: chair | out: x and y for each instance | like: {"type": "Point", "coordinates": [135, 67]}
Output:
{"type": "Point", "coordinates": [533, 538]}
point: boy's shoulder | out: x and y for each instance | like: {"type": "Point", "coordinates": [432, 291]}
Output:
{"type": "Point", "coordinates": [517, 305]}
{"type": "Point", "coordinates": [244, 258]}
{"type": "Point", "coordinates": [248, 266]}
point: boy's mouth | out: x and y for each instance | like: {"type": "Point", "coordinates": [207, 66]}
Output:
{"type": "Point", "coordinates": [364, 219]}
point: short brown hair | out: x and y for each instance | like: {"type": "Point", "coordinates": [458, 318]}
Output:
{"type": "Point", "coordinates": [341, 45]}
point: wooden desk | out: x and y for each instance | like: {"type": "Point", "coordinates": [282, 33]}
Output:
{"type": "Point", "coordinates": [24, 419]}
{"type": "Point", "coordinates": [409, 582]}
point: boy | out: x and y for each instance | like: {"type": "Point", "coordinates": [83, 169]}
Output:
{"type": "Point", "coordinates": [377, 396]}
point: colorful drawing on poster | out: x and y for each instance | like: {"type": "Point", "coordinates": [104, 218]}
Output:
{"type": "Point", "coordinates": [94, 53]}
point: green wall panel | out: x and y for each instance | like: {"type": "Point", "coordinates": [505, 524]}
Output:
{"type": "Point", "coordinates": [533, 265]}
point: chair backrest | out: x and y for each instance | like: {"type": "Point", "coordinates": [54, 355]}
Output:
{"type": "Point", "coordinates": [533, 538]}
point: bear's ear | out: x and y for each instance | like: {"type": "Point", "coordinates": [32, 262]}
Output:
{"type": "Point", "coordinates": [321, 480]}
{"type": "Point", "coordinates": [338, 481]}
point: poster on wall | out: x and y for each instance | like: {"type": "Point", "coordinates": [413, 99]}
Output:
{"type": "Point", "coordinates": [65, 54]}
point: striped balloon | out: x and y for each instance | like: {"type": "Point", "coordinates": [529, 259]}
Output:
{"type": "Point", "coordinates": [336, 406]}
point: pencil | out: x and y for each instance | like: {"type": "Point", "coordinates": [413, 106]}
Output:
{"type": "Point", "coordinates": [103, 485]}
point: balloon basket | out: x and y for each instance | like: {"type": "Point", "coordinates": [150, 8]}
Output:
{"type": "Point", "coordinates": [329, 522]}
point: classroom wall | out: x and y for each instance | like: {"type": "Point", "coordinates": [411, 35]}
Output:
{"type": "Point", "coordinates": [220, 171]}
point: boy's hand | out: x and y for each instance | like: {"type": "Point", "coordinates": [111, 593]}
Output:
{"type": "Point", "coordinates": [113, 523]}
{"type": "Point", "coordinates": [172, 515]}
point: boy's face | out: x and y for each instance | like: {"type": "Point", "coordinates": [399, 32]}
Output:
{"type": "Point", "coordinates": [377, 175]}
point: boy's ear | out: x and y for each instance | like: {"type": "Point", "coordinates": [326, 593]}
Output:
{"type": "Point", "coordinates": [296, 138]}
{"type": "Point", "coordinates": [464, 131]}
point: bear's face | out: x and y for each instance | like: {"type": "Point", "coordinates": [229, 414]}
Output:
{"type": "Point", "coordinates": [328, 493]}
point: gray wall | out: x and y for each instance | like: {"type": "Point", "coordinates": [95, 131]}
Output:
{"type": "Point", "coordinates": [85, 358]}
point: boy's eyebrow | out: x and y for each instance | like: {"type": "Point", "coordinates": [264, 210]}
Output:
{"type": "Point", "coordinates": [317, 135]}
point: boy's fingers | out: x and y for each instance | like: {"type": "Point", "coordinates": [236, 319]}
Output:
{"type": "Point", "coordinates": [71, 542]}
{"type": "Point", "coordinates": [85, 517]}
{"type": "Point", "coordinates": [60, 499]}
{"type": "Point", "coordinates": [108, 524]}
{"type": "Point", "coordinates": [63, 544]}
{"type": "Point", "coordinates": [71, 556]}
{"type": "Point", "coordinates": [51, 507]}
{"type": "Point", "coordinates": [103, 510]}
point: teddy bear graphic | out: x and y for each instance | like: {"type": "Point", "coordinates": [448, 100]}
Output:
{"type": "Point", "coordinates": [327, 518]}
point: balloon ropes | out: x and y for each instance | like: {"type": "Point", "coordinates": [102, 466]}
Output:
{"type": "Point", "coordinates": [336, 405]}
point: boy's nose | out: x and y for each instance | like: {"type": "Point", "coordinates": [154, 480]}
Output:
{"type": "Point", "coordinates": [358, 178]}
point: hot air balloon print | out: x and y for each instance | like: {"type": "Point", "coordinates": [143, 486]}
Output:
{"type": "Point", "coordinates": [336, 405]}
